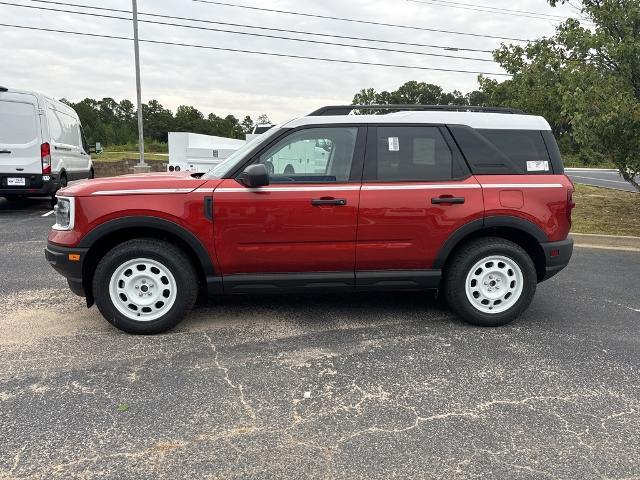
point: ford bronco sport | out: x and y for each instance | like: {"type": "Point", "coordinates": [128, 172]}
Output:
{"type": "Point", "coordinates": [472, 201]}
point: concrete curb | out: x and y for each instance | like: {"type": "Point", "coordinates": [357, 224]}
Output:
{"type": "Point", "coordinates": [611, 242]}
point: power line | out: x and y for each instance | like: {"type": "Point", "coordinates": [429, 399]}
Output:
{"type": "Point", "coordinates": [263, 35]}
{"type": "Point", "coordinates": [490, 9]}
{"type": "Point", "coordinates": [300, 32]}
{"type": "Point", "coordinates": [355, 20]}
{"type": "Point", "coordinates": [254, 52]}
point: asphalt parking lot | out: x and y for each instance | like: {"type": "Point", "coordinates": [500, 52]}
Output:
{"type": "Point", "coordinates": [371, 386]}
{"type": "Point", "coordinates": [599, 177]}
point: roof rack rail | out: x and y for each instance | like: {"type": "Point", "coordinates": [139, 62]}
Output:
{"type": "Point", "coordinates": [347, 109]}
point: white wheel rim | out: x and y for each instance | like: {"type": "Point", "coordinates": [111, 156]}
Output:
{"type": "Point", "coordinates": [494, 284]}
{"type": "Point", "coordinates": [143, 289]}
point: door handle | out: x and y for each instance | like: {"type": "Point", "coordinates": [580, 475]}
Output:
{"type": "Point", "coordinates": [328, 201]}
{"type": "Point", "coordinates": [66, 149]}
{"type": "Point", "coordinates": [446, 200]}
{"type": "Point", "coordinates": [5, 151]}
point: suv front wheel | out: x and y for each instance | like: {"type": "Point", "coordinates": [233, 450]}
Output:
{"type": "Point", "coordinates": [145, 286]}
{"type": "Point", "coordinates": [490, 282]}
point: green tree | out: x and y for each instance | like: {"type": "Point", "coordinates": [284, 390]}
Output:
{"type": "Point", "coordinates": [585, 81]}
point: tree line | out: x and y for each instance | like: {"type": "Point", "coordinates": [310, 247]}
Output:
{"type": "Point", "coordinates": [116, 123]}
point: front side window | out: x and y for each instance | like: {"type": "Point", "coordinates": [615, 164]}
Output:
{"type": "Point", "coordinates": [312, 155]}
{"type": "Point", "coordinates": [406, 153]}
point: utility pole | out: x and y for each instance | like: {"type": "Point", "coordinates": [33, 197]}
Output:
{"type": "Point", "coordinates": [142, 166]}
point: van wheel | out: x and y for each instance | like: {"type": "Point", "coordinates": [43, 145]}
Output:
{"type": "Point", "coordinates": [92, 174]}
{"type": "Point", "coordinates": [289, 170]}
{"type": "Point", "coordinates": [490, 282]}
{"type": "Point", "coordinates": [61, 184]}
{"type": "Point", "coordinates": [145, 286]}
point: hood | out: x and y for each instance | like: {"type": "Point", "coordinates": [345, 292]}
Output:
{"type": "Point", "coordinates": [136, 184]}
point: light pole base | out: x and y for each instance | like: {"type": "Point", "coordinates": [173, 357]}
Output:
{"type": "Point", "coordinates": [141, 168]}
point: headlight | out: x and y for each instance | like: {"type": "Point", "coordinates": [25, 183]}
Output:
{"type": "Point", "coordinates": [64, 212]}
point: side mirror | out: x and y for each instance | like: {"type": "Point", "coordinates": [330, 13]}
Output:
{"type": "Point", "coordinates": [255, 176]}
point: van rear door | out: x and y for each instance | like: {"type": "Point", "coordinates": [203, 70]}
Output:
{"type": "Point", "coordinates": [20, 134]}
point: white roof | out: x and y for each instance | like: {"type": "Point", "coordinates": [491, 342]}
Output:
{"type": "Point", "coordinates": [44, 98]}
{"type": "Point", "coordinates": [494, 121]}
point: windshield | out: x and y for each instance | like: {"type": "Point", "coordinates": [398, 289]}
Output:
{"type": "Point", "coordinates": [225, 166]}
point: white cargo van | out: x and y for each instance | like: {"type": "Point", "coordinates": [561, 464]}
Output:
{"type": "Point", "coordinates": [42, 145]}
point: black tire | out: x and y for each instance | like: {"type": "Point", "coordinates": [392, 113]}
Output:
{"type": "Point", "coordinates": [466, 258]}
{"type": "Point", "coordinates": [92, 174]}
{"type": "Point", "coordinates": [61, 184]}
{"type": "Point", "coordinates": [171, 258]}
{"type": "Point", "coordinates": [289, 170]}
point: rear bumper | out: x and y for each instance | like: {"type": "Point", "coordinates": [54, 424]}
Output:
{"type": "Point", "coordinates": [58, 258]}
{"type": "Point", "coordinates": [557, 256]}
{"type": "Point", "coordinates": [35, 184]}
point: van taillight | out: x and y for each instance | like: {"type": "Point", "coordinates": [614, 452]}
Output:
{"type": "Point", "coordinates": [45, 155]}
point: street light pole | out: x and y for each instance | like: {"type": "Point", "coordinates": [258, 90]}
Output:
{"type": "Point", "coordinates": [136, 50]}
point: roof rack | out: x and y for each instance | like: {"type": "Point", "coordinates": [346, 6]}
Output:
{"type": "Point", "coordinates": [347, 109]}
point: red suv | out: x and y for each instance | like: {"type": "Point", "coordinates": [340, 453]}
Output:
{"type": "Point", "coordinates": [469, 200]}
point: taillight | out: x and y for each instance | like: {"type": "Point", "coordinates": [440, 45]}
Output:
{"type": "Point", "coordinates": [45, 155]}
{"type": "Point", "coordinates": [570, 204]}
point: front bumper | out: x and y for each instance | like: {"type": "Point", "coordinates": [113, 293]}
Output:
{"type": "Point", "coordinates": [35, 184]}
{"type": "Point", "coordinates": [557, 256]}
{"type": "Point", "coordinates": [60, 258]}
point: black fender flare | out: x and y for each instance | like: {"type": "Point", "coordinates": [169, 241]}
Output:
{"type": "Point", "coordinates": [124, 223]}
{"type": "Point", "coordinates": [480, 224]}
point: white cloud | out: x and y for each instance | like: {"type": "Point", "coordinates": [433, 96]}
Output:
{"type": "Point", "coordinates": [75, 67]}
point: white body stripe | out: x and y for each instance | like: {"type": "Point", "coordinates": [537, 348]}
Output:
{"type": "Point", "coordinates": [338, 188]}
{"type": "Point", "coordinates": [143, 191]}
{"type": "Point", "coordinates": [421, 186]}
{"type": "Point", "coordinates": [521, 185]}
{"type": "Point", "coordinates": [289, 189]}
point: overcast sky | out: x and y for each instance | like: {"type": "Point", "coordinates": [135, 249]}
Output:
{"type": "Point", "coordinates": [76, 67]}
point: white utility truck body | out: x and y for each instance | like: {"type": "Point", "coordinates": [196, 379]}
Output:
{"type": "Point", "coordinates": [199, 153]}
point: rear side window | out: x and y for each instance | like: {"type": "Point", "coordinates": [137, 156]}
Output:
{"type": "Point", "coordinates": [63, 128]}
{"type": "Point", "coordinates": [503, 151]}
{"type": "Point", "coordinates": [412, 154]}
{"type": "Point", "coordinates": [18, 123]}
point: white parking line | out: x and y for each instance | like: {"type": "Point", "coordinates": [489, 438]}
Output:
{"type": "Point", "coordinates": [47, 214]}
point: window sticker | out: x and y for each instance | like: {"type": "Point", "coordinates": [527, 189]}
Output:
{"type": "Point", "coordinates": [538, 166]}
{"type": "Point", "coordinates": [394, 144]}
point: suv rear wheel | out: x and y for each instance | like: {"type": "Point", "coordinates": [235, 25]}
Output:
{"type": "Point", "coordinates": [145, 286]}
{"type": "Point", "coordinates": [490, 282]}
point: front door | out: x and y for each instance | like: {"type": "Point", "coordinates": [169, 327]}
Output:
{"type": "Point", "coordinates": [416, 192]}
{"type": "Point", "coordinates": [303, 224]}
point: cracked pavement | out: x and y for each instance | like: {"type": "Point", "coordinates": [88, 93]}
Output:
{"type": "Point", "coordinates": [396, 386]}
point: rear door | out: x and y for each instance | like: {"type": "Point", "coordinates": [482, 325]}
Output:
{"type": "Point", "coordinates": [20, 135]}
{"type": "Point", "coordinates": [305, 220]}
{"type": "Point", "coordinates": [416, 191]}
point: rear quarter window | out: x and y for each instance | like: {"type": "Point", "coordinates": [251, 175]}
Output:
{"type": "Point", "coordinates": [503, 151]}
{"type": "Point", "coordinates": [18, 123]}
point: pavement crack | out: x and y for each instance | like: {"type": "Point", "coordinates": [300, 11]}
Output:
{"type": "Point", "coordinates": [235, 386]}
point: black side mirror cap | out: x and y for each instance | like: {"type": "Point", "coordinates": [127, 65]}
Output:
{"type": "Point", "coordinates": [254, 176]}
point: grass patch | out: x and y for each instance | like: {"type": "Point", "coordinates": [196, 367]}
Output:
{"type": "Point", "coordinates": [606, 211]}
{"type": "Point", "coordinates": [120, 156]}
